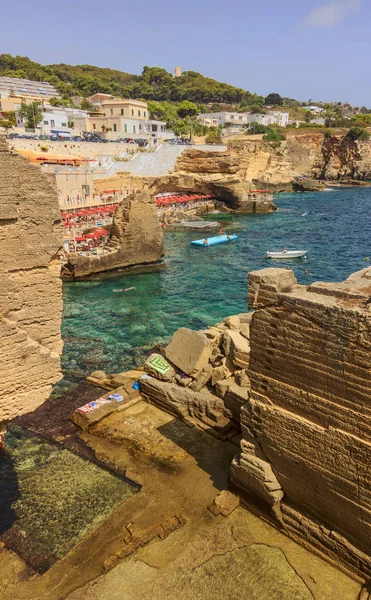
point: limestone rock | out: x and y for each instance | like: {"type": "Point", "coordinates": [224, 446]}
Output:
{"type": "Point", "coordinates": [233, 323]}
{"type": "Point", "coordinates": [158, 367]}
{"type": "Point", "coordinates": [245, 330]}
{"type": "Point", "coordinates": [30, 286]}
{"type": "Point", "coordinates": [185, 403]}
{"type": "Point", "coordinates": [234, 399]}
{"type": "Point", "coordinates": [183, 380]}
{"type": "Point", "coordinates": [224, 504]}
{"type": "Point", "coordinates": [308, 411]}
{"type": "Point", "coordinates": [222, 386]}
{"type": "Point", "coordinates": [189, 350]}
{"type": "Point", "coordinates": [242, 379]}
{"type": "Point", "coordinates": [202, 378]}
{"type": "Point", "coordinates": [95, 411]}
{"type": "Point", "coordinates": [98, 375]}
{"type": "Point", "coordinates": [236, 348]}
{"type": "Point", "coordinates": [136, 237]}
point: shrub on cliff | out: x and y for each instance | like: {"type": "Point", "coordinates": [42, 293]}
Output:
{"type": "Point", "coordinates": [358, 133]}
{"type": "Point", "coordinates": [255, 127]}
{"type": "Point", "coordinates": [329, 133]}
{"type": "Point", "coordinates": [214, 136]}
{"type": "Point", "coordinates": [273, 134]}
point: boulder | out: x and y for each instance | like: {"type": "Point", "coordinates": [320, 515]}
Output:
{"type": "Point", "coordinates": [224, 504]}
{"type": "Point", "coordinates": [242, 379]}
{"type": "Point", "coordinates": [222, 386]}
{"type": "Point", "coordinates": [202, 378]}
{"type": "Point", "coordinates": [234, 399]}
{"type": "Point", "coordinates": [93, 412]}
{"type": "Point", "coordinates": [189, 350]}
{"type": "Point", "coordinates": [245, 330]}
{"type": "Point", "coordinates": [233, 322]}
{"type": "Point", "coordinates": [222, 371]}
{"type": "Point", "coordinates": [159, 368]}
{"type": "Point", "coordinates": [183, 380]}
{"type": "Point", "coordinates": [98, 375]}
{"type": "Point", "coordinates": [184, 402]}
{"type": "Point", "coordinates": [236, 348]}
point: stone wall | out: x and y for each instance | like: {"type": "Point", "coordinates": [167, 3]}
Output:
{"type": "Point", "coordinates": [306, 426]}
{"type": "Point", "coordinates": [135, 239]}
{"type": "Point", "coordinates": [30, 286]}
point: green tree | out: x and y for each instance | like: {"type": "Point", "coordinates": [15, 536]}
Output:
{"type": "Point", "coordinates": [363, 120]}
{"type": "Point", "coordinates": [214, 136]}
{"type": "Point", "coordinates": [86, 105]}
{"type": "Point", "coordinates": [256, 127]}
{"type": "Point", "coordinates": [9, 116]}
{"type": "Point", "coordinates": [308, 116]}
{"type": "Point", "coordinates": [358, 133]}
{"type": "Point", "coordinates": [55, 101]}
{"type": "Point", "coordinates": [274, 99]}
{"type": "Point", "coordinates": [32, 113]}
{"type": "Point", "coordinates": [258, 109]}
{"type": "Point", "coordinates": [273, 134]}
{"type": "Point", "coordinates": [187, 109]}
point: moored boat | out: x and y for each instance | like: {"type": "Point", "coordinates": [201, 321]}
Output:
{"type": "Point", "coordinates": [286, 254]}
{"type": "Point", "coordinates": [212, 241]}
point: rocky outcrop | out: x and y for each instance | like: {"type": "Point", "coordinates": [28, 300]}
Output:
{"type": "Point", "coordinates": [214, 173]}
{"type": "Point", "coordinates": [199, 161]}
{"type": "Point", "coordinates": [304, 154]}
{"type": "Point", "coordinates": [135, 239]}
{"type": "Point", "coordinates": [30, 287]}
{"type": "Point", "coordinates": [202, 379]}
{"type": "Point", "coordinates": [343, 158]}
{"type": "Point", "coordinates": [307, 421]}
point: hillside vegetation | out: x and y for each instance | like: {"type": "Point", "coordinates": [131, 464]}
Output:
{"type": "Point", "coordinates": [154, 83]}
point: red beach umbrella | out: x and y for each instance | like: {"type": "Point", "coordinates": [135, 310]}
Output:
{"type": "Point", "coordinates": [80, 238]}
{"type": "Point", "coordinates": [100, 231]}
{"type": "Point", "coordinates": [92, 235]}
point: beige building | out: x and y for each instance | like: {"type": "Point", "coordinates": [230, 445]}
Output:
{"type": "Point", "coordinates": [14, 103]}
{"type": "Point", "coordinates": [125, 126]}
{"type": "Point", "coordinates": [120, 107]}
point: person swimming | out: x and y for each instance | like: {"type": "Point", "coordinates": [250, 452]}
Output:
{"type": "Point", "coordinates": [206, 242]}
{"type": "Point", "coordinates": [221, 231]}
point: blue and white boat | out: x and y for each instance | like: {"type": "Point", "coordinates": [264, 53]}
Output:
{"type": "Point", "coordinates": [212, 241]}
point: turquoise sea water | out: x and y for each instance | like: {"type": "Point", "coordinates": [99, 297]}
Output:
{"type": "Point", "coordinates": [200, 286]}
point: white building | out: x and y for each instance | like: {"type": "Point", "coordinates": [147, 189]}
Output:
{"type": "Point", "coordinates": [26, 88]}
{"type": "Point", "coordinates": [55, 118]}
{"type": "Point", "coordinates": [271, 118]}
{"type": "Point", "coordinates": [314, 109]}
{"type": "Point", "coordinates": [223, 118]}
{"type": "Point", "coordinates": [240, 119]}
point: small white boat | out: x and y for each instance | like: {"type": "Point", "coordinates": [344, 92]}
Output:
{"type": "Point", "coordinates": [286, 254]}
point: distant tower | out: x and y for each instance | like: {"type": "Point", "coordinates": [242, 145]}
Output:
{"type": "Point", "coordinates": [177, 72]}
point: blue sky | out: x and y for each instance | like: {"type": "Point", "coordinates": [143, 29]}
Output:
{"type": "Point", "coordinates": [299, 48]}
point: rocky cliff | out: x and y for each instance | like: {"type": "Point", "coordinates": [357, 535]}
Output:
{"type": "Point", "coordinates": [30, 286]}
{"type": "Point", "coordinates": [306, 425]}
{"type": "Point", "coordinates": [135, 239]}
{"type": "Point", "coordinates": [302, 154]}
{"type": "Point", "coordinates": [214, 173]}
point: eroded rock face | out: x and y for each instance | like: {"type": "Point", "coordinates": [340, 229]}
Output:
{"type": "Point", "coordinates": [303, 153]}
{"type": "Point", "coordinates": [30, 286]}
{"type": "Point", "coordinates": [135, 239]}
{"type": "Point", "coordinates": [307, 421]}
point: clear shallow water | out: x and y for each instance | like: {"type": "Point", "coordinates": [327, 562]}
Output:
{"type": "Point", "coordinates": [51, 498]}
{"type": "Point", "coordinates": [200, 286]}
